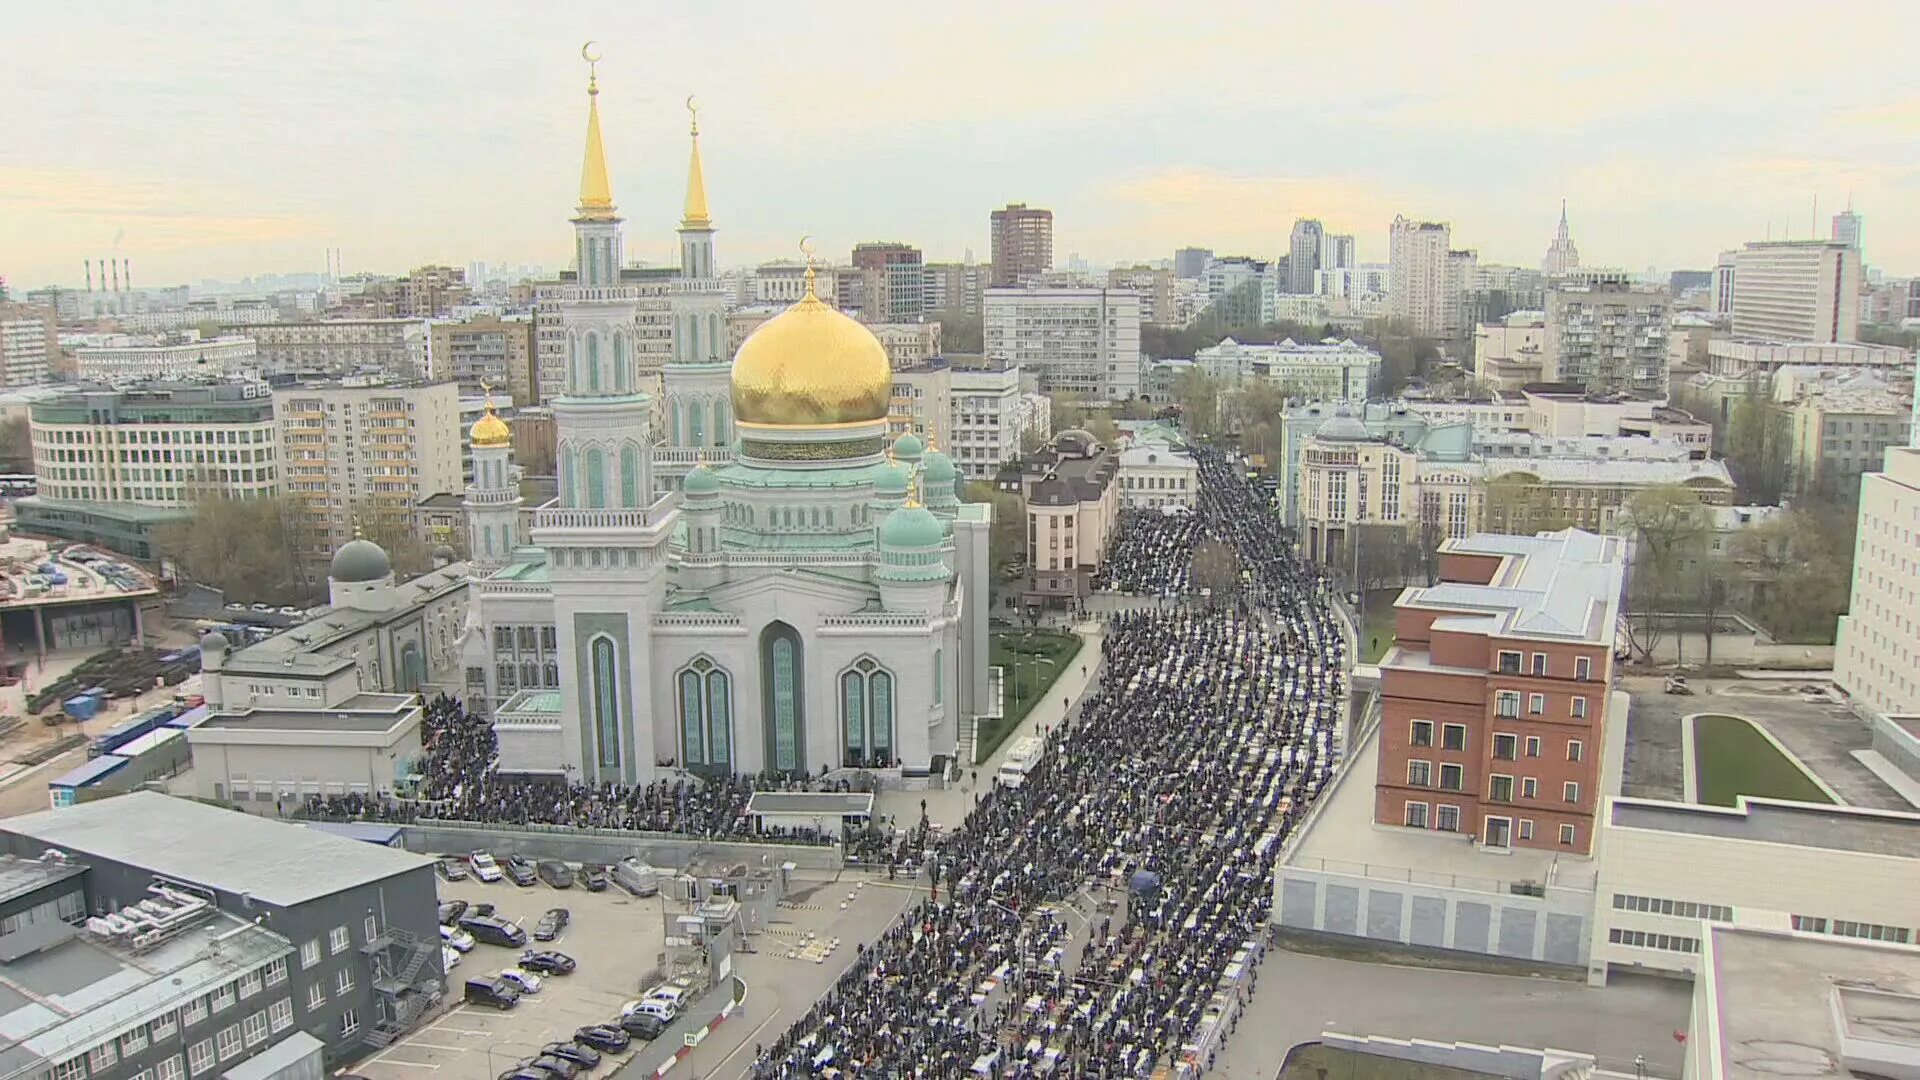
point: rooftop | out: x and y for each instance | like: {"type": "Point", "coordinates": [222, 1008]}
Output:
{"type": "Point", "coordinates": [18, 876]}
{"type": "Point", "coordinates": [1782, 1003]}
{"type": "Point", "coordinates": [301, 650]}
{"type": "Point", "coordinates": [362, 712]}
{"type": "Point", "coordinates": [811, 802]}
{"type": "Point", "coordinates": [1770, 821]}
{"type": "Point", "coordinates": [1559, 586]}
{"type": "Point", "coordinates": [277, 863]}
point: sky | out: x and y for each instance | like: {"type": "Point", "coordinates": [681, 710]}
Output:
{"type": "Point", "coordinates": [216, 140]}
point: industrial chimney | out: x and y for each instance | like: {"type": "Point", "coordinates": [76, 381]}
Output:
{"type": "Point", "coordinates": [115, 266]}
{"type": "Point", "coordinates": [89, 263]}
{"type": "Point", "coordinates": [126, 273]}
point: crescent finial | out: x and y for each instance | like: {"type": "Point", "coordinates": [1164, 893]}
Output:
{"type": "Point", "coordinates": [693, 112]}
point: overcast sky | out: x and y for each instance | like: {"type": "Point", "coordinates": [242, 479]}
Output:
{"type": "Point", "coordinates": [218, 140]}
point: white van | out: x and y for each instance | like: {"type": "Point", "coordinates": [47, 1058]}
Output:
{"type": "Point", "coordinates": [636, 877]}
{"type": "Point", "coordinates": [1020, 760]}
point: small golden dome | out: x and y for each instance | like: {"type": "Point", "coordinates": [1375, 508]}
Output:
{"type": "Point", "coordinates": [490, 430]}
{"type": "Point", "coordinates": [811, 365]}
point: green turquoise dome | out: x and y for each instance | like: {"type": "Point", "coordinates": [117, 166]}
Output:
{"type": "Point", "coordinates": [890, 479]}
{"type": "Point", "coordinates": [909, 446]}
{"type": "Point", "coordinates": [939, 468]}
{"type": "Point", "coordinates": [702, 481]}
{"type": "Point", "coordinates": [912, 527]}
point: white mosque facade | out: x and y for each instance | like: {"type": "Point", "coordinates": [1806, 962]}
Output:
{"type": "Point", "coordinates": [787, 593]}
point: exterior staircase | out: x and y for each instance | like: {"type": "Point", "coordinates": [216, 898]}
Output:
{"type": "Point", "coordinates": [401, 959]}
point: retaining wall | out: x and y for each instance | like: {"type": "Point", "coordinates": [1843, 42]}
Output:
{"type": "Point", "coordinates": [608, 845]}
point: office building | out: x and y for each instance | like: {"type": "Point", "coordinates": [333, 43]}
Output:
{"type": "Point", "coordinates": [1846, 228]}
{"type": "Point", "coordinates": [486, 353]}
{"type": "Point", "coordinates": [922, 404]}
{"type": "Point", "coordinates": [1607, 335]}
{"type": "Point", "coordinates": [1337, 252]}
{"type": "Point", "coordinates": [1155, 286]}
{"type": "Point", "coordinates": [29, 344]}
{"type": "Point", "coordinates": [159, 445]}
{"type": "Point", "coordinates": [1022, 243]}
{"type": "Point", "coordinates": [1242, 291]}
{"type": "Point", "coordinates": [124, 359]}
{"type": "Point", "coordinates": [1303, 255]}
{"type": "Point", "coordinates": [431, 291]}
{"type": "Point", "coordinates": [1073, 505]}
{"type": "Point", "coordinates": [1738, 358]}
{"type": "Point", "coordinates": [1156, 469]}
{"type": "Point", "coordinates": [955, 287]}
{"type": "Point", "coordinates": [1562, 256]}
{"type": "Point", "coordinates": [1428, 278]}
{"type": "Point", "coordinates": [1495, 692]}
{"type": "Point", "coordinates": [993, 420]}
{"type": "Point", "coordinates": [400, 348]}
{"type": "Point", "coordinates": [1191, 262]}
{"type": "Point", "coordinates": [784, 282]}
{"type": "Point", "coordinates": [1084, 342]}
{"type": "Point", "coordinates": [1876, 654]}
{"type": "Point", "coordinates": [1511, 353]}
{"type": "Point", "coordinates": [284, 930]}
{"type": "Point", "coordinates": [354, 450]}
{"type": "Point", "coordinates": [1320, 371]}
{"type": "Point", "coordinates": [896, 290]}
{"type": "Point", "coordinates": [1836, 432]}
{"type": "Point", "coordinates": [1797, 290]}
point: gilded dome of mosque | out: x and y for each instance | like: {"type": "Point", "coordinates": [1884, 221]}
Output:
{"type": "Point", "coordinates": [811, 365]}
{"type": "Point", "coordinates": [490, 430]}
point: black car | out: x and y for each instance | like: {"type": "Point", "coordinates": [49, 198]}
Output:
{"type": "Point", "coordinates": [643, 1026]}
{"type": "Point", "coordinates": [520, 869]}
{"type": "Point", "coordinates": [550, 924]}
{"type": "Point", "coordinates": [584, 1056]}
{"type": "Point", "coordinates": [546, 962]}
{"type": "Point", "coordinates": [451, 910]}
{"type": "Point", "coordinates": [557, 1067]}
{"type": "Point", "coordinates": [606, 1038]}
{"type": "Point", "coordinates": [480, 909]}
{"type": "Point", "coordinates": [453, 869]}
{"type": "Point", "coordinates": [594, 877]}
{"type": "Point", "coordinates": [555, 873]}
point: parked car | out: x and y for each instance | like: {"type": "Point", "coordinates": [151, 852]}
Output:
{"type": "Point", "coordinates": [520, 869]}
{"type": "Point", "coordinates": [493, 931]}
{"type": "Point", "coordinates": [594, 877]}
{"type": "Point", "coordinates": [547, 962]}
{"type": "Point", "coordinates": [556, 1067]}
{"type": "Point", "coordinates": [457, 938]}
{"type": "Point", "coordinates": [484, 867]}
{"type": "Point", "coordinates": [453, 869]}
{"type": "Point", "coordinates": [675, 993]}
{"type": "Point", "coordinates": [555, 873]}
{"type": "Point", "coordinates": [449, 958]}
{"type": "Point", "coordinates": [584, 1056]}
{"type": "Point", "coordinates": [451, 910]}
{"type": "Point", "coordinates": [480, 909]}
{"type": "Point", "coordinates": [1677, 684]}
{"type": "Point", "coordinates": [551, 924]}
{"type": "Point", "coordinates": [606, 1038]}
{"type": "Point", "coordinates": [527, 981]}
{"type": "Point", "coordinates": [665, 1011]}
{"type": "Point", "coordinates": [495, 992]}
{"type": "Point", "coordinates": [643, 1026]}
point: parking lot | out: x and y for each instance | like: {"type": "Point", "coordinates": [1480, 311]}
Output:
{"type": "Point", "coordinates": [616, 939]}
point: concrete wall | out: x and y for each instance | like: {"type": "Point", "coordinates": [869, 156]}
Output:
{"type": "Point", "coordinates": [608, 845]}
{"type": "Point", "coordinates": [1896, 744]}
{"type": "Point", "coordinates": [1549, 930]}
{"type": "Point", "coordinates": [1743, 649]}
{"type": "Point", "coordinates": [1512, 1062]}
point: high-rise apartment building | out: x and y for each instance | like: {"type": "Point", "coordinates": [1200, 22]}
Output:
{"type": "Point", "coordinates": [1720, 296]}
{"type": "Point", "coordinates": [29, 343]}
{"type": "Point", "coordinates": [991, 418]}
{"type": "Point", "coordinates": [431, 291]}
{"type": "Point", "coordinates": [1875, 651]}
{"type": "Point", "coordinates": [1797, 290]}
{"type": "Point", "coordinates": [1608, 335]}
{"type": "Point", "coordinates": [1191, 262]}
{"type": "Point", "coordinates": [1303, 255]}
{"type": "Point", "coordinates": [1428, 278]}
{"type": "Point", "coordinates": [1562, 256]}
{"type": "Point", "coordinates": [487, 352]}
{"type": "Point", "coordinates": [353, 450]}
{"type": "Point", "coordinates": [955, 287]}
{"type": "Point", "coordinates": [1495, 692]}
{"type": "Point", "coordinates": [1084, 342]}
{"type": "Point", "coordinates": [1155, 286]}
{"type": "Point", "coordinates": [1846, 228]}
{"type": "Point", "coordinates": [1022, 243]}
{"type": "Point", "coordinates": [896, 289]}
{"type": "Point", "coordinates": [1338, 252]}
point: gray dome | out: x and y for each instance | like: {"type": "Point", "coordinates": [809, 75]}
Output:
{"type": "Point", "coordinates": [360, 560]}
{"type": "Point", "coordinates": [1344, 427]}
{"type": "Point", "coordinates": [213, 641]}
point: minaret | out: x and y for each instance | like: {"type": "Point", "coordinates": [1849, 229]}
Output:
{"type": "Point", "coordinates": [493, 499]}
{"type": "Point", "coordinates": [696, 225]}
{"type": "Point", "coordinates": [596, 226]}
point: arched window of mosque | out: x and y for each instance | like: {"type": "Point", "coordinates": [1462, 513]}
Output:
{"type": "Point", "coordinates": [620, 375]}
{"type": "Point", "coordinates": [629, 476]}
{"type": "Point", "coordinates": [696, 423]}
{"type": "Point", "coordinates": [596, 478]}
{"type": "Point", "coordinates": [593, 361]}
{"type": "Point", "coordinates": [568, 495]}
{"type": "Point", "coordinates": [606, 707]}
{"type": "Point", "coordinates": [939, 676]}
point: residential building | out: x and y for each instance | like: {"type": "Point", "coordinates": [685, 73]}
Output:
{"type": "Point", "coordinates": [158, 445]}
{"type": "Point", "coordinates": [353, 449]}
{"type": "Point", "coordinates": [118, 358]}
{"type": "Point", "coordinates": [431, 291]}
{"type": "Point", "coordinates": [1323, 371]}
{"type": "Point", "coordinates": [1022, 243]}
{"type": "Point", "coordinates": [1876, 653]}
{"type": "Point", "coordinates": [1562, 256]}
{"type": "Point", "coordinates": [1608, 335]}
{"type": "Point", "coordinates": [1740, 358]}
{"type": "Point", "coordinates": [922, 403]}
{"type": "Point", "coordinates": [1797, 290]}
{"type": "Point", "coordinates": [1337, 252]}
{"type": "Point", "coordinates": [908, 344]}
{"type": "Point", "coordinates": [1363, 286]}
{"type": "Point", "coordinates": [487, 352]}
{"type": "Point", "coordinates": [1084, 342]}
{"type": "Point", "coordinates": [992, 420]}
{"type": "Point", "coordinates": [1687, 343]}
{"type": "Point", "coordinates": [1495, 695]}
{"type": "Point", "coordinates": [1156, 471]}
{"type": "Point", "coordinates": [279, 928]}
{"type": "Point", "coordinates": [1846, 228]}
{"type": "Point", "coordinates": [1720, 293]}
{"type": "Point", "coordinates": [1191, 262]}
{"type": "Point", "coordinates": [29, 344]}
{"type": "Point", "coordinates": [1073, 505]}
{"type": "Point", "coordinates": [1493, 291]}
{"type": "Point", "coordinates": [400, 348]}
{"type": "Point", "coordinates": [896, 282]}
{"type": "Point", "coordinates": [783, 282]}
{"type": "Point", "coordinates": [1303, 255]}
{"type": "Point", "coordinates": [1428, 278]}
{"type": "Point", "coordinates": [1839, 433]}
{"type": "Point", "coordinates": [1241, 291]}
{"type": "Point", "coordinates": [1155, 286]}
{"type": "Point", "coordinates": [1511, 353]}
{"type": "Point", "coordinates": [956, 287]}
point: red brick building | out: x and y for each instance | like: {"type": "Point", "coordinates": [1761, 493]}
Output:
{"type": "Point", "coordinates": [1494, 696]}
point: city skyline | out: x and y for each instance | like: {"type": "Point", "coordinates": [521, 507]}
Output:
{"type": "Point", "coordinates": [221, 147]}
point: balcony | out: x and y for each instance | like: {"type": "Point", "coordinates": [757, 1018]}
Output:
{"type": "Point", "coordinates": [582, 518]}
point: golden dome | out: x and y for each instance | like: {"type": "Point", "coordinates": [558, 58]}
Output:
{"type": "Point", "coordinates": [811, 365]}
{"type": "Point", "coordinates": [490, 430]}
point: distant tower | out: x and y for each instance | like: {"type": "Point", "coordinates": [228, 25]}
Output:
{"type": "Point", "coordinates": [493, 499]}
{"type": "Point", "coordinates": [1562, 257]}
{"type": "Point", "coordinates": [696, 225]}
{"type": "Point", "coordinates": [1847, 226]}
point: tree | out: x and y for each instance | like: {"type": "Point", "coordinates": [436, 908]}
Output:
{"type": "Point", "coordinates": [960, 332]}
{"type": "Point", "coordinates": [1757, 446]}
{"type": "Point", "coordinates": [1383, 556]}
{"type": "Point", "coordinates": [1198, 394]}
{"type": "Point", "coordinates": [1800, 580]}
{"type": "Point", "coordinates": [1669, 531]}
{"type": "Point", "coordinates": [1100, 424]}
{"type": "Point", "coordinates": [1068, 411]}
{"type": "Point", "coordinates": [1007, 541]}
{"type": "Point", "coordinates": [392, 528]}
{"type": "Point", "coordinates": [243, 547]}
{"type": "Point", "coordinates": [16, 445]}
{"type": "Point", "coordinates": [1215, 568]}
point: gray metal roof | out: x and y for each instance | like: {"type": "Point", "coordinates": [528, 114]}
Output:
{"type": "Point", "coordinates": [279, 863]}
{"type": "Point", "coordinates": [300, 649]}
{"type": "Point", "coordinates": [362, 712]}
{"type": "Point", "coordinates": [1562, 586]}
{"type": "Point", "coordinates": [1836, 828]}
{"type": "Point", "coordinates": [18, 877]}
{"type": "Point", "coordinates": [269, 1063]}
{"type": "Point", "coordinates": [822, 803]}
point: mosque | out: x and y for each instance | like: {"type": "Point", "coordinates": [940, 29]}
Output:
{"type": "Point", "coordinates": [804, 598]}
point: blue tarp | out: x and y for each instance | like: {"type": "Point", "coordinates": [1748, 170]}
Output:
{"type": "Point", "coordinates": [92, 771]}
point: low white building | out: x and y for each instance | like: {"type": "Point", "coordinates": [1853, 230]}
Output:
{"type": "Point", "coordinates": [266, 759]}
{"type": "Point", "coordinates": [1326, 371]}
{"type": "Point", "coordinates": [124, 358]}
{"type": "Point", "coordinates": [1740, 357]}
{"type": "Point", "coordinates": [991, 417]}
{"type": "Point", "coordinates": [1156, 470]}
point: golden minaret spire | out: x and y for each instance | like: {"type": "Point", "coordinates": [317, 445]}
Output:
{"type": "Point", "coordinates": [596, 192]}
{"type": "Point", "coordinates": [696, 216]}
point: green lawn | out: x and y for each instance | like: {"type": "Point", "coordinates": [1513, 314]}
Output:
{"type": "Point", "coordinates": [1033, 659]}
{"type": "Point", "coordinates": [1378, 626]}
{"type": "Point", "coordinates": [1732, 758]}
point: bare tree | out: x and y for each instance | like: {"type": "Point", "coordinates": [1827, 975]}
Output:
{"type": "Point", "coordinates": [1669, 530]}
{"type": "Point", "coordinates": [242, 546]}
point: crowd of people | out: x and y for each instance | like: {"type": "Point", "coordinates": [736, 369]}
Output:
{"type": "Point", "coordinates": [1153, 818]}
{"type": "Point", "coordinates": [1144, 556]}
